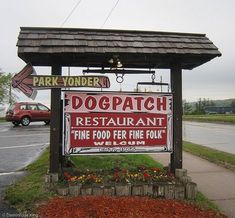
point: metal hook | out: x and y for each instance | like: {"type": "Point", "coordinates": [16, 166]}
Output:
{"type": "Point", "coordinates": [153, 77]}
{"type": "Point", "coordinates": [84, 73]}
{"type": "Point", "coordinates": [119, 78]}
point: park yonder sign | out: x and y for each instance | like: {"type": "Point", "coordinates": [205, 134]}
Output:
{"type": "Point", "coordinates": [114, 122]}
{"type": "Point", "coordinates": [28, 83]}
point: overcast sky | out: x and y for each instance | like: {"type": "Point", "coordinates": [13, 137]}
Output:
{"type": "Point", "coordinates": [215, 18]}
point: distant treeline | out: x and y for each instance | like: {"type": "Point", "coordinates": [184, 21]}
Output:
{"type": "Point", "coordinates": [201, 106]}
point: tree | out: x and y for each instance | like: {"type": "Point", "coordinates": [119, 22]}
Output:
{"type": "Point", "coordinates": [187, 107]}
{"type": "Point", "coordinates": [201, 104]}
{"type": "Point", "coordinates": [233, 103]}
{"type": "Point", "coordinates": [5, 88]}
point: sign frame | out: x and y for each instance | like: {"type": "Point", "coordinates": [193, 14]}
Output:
{"type": "Point", "coordinates": [118, 149]}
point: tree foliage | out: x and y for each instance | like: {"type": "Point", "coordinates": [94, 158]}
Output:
{"type": "Point", "coordinates": [187, 107]}
{"type": "Point", "coordinates": [233, 103]}
{"type": "Point", "coordinates": [5, 85]}
{"type": "Point", "coordinates": [201, 104]}
{"type": "Point", "coordinates": [198, 107]}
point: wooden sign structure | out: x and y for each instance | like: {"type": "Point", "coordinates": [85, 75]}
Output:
{"type": "Point", "coordinates": [98, 48]}
{"type": "Point", "coordinates": [28, 83]}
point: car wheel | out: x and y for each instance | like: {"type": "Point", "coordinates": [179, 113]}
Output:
{"type": "Point", "coordinates": [25, 121]}
{"type": "Point", "coordinates": [15, 123]}
{"type": "Point", "coordinates": [47, 122]}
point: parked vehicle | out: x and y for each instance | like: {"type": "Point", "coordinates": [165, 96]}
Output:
{"type": "Point", "coordinates": [26, 112]}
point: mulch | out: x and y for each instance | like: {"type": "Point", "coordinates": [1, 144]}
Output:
{"type": "Point", "coordinates": [121, 207]}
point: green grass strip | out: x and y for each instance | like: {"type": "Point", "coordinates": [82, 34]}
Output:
{"type": "Point", "coordinates": [2, 119]}
{"type": "Point", "coordinates": [203, 202]}
{"type": "Point", "coordinates": [220, 118]}
{"type": "Point", "coordinates": [215, 156]}
{"type": "Point", "coordinates": [108, 162]}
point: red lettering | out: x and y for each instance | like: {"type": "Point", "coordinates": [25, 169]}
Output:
{"type": "Point", "coordinates": [161, 103]}
{"type": "Point", "coordinates": [120, 103]}
{"type": "Point", "coordinates": [90, 103]}
{"type": "Point", "coordinates": [76, 102]}
{"type": "Point", "coordinates": [127, 104]}
{"type": "Point", "coordinates": [104, 103]}
{"type": "Point", "coordinates": [138, 102]}
{"type": "Point", "coordinates": [148, 104]}
{"type": "Point", "coordinates": [116, 101]}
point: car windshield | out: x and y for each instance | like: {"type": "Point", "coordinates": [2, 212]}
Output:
{"type": "Point", "coordinates": [43, 108]}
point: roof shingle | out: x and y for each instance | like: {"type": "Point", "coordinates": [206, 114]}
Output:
{"type": "Point", "coordinates": [93, 48]}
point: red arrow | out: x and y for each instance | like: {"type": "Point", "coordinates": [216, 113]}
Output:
{"type": "Point", "coordinates": [19, 78]}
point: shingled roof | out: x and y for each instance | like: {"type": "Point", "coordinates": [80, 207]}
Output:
{"type": "Point", "coordinates": [95, 47]}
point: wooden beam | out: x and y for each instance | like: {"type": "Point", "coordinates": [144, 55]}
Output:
{"type": "Point", "coordinates": [55, 129]}
{"type": "Point", "coordinates": [119, 71]}
{"type": "Point", "coordinates": [176, 87]}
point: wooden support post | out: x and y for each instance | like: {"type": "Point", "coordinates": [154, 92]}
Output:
{"type": "Point", "coordinates": [176, 87]}
{"type": "Point", "coordinates": [55, 133]}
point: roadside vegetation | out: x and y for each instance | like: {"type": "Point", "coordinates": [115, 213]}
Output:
{"type": "Point", "coordinates": [203, 202]}
{"type": "Point", "coordinates": [2, 119]}
{"type": "Point", "coordinates": [29, 192]}
{"type": "Point", "coordinates": [215, 118]}
{"type": "Point", "coordinates": [6, 94]}
{"type": "Point", "coordinates": [221, 158]}
{"type": "Point", "coordinates": [206, 110]}
{"type": "Point", "coordinates": [207, 106]}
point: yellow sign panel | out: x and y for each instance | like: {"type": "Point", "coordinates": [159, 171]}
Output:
{"type": "Point", "coordinates": [70, 81]}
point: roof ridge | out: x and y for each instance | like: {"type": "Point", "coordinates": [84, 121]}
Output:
{"type": "Point", "coordinates": [110, 30]}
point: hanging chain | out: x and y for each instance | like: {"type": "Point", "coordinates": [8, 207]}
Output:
{"type": "Point", "coordinates": [153, 77]}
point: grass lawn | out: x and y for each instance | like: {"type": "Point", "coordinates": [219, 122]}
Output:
{"type": "Point", "coordinates": [220, 118]}
{"type": "Point", "coordinates": [218, 157]}
{"type": "Point", "coordinates": [203, 202]}
{"type": "Point", "coordinates": [29, 191]}
{"type": "Point", "coordinates": [108, 162]}
{"type": "Point", "coordinates": [2, 119]}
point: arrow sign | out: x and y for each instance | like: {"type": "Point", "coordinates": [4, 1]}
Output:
{"type": "Point", "coordinates": [27, 82]}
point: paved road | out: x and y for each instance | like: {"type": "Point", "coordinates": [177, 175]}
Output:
{"type": "Point", "coordinates": [19, 146]}
{"type": "Point", "coordinates": [217, 136]}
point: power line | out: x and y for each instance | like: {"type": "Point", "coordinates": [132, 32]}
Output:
{"type": "Point", "coordinates": [79, 1]}
{"type": "Point", "coordinates": [111, 11]}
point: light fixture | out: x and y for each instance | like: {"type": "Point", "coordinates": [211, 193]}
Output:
{"type": "Point", "coordinates": [119, 64]}
{"type": "Point", "coordinates": [111, 61]}
{"type": "Point", "coordinates": [115, 62]}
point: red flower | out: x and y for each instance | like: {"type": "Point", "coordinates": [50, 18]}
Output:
{"type": "Point", "coordinates": [67, 176]}
{"type": "Point", "coordinates": [142, 167]}
{"type": "Point", "coordinates": [156, 169]}
{"type": "Point", "coordinates": [146, 175]}
{"type": "Point", "coordinates": [116, 177]}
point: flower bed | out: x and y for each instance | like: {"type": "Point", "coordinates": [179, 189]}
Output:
{"type": "Point", "coordinates": [140, 181]}
{"type": "Point", "coordinates": [118, 175]}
